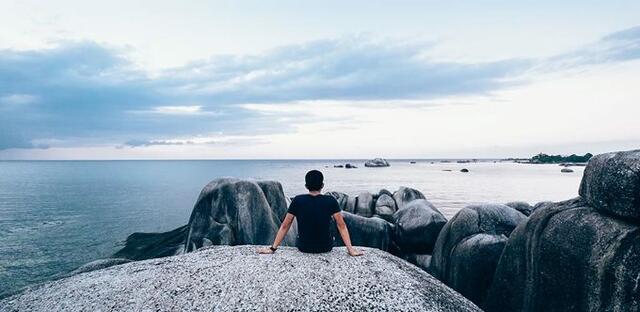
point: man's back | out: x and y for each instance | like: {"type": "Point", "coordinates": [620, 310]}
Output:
{"type": "Point", "coordinates": [313, 213]}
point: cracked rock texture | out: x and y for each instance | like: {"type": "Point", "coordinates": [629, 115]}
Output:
{"type": "Point", "coordinates": [224, 278]}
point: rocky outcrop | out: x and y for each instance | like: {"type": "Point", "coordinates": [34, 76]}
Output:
{"type": "Point", "coordinates": [238, 279]}
{"type": "Point", "coordinates": [405, 195]}
{"type": "Point", "coordinates": [469, 246]}
{"type": "Point", "coordinates": [376, 162]}
{"type": "Point", "coordinates": [345, 202]}
{"type": "Point", "coordinates": [228, 212]}
{"type": "Point", "coordinates": [578, 255]}
{"type": "Point", "coordinates": [417, 226]}
{"type": "Point", "coordinates": [611, 184]}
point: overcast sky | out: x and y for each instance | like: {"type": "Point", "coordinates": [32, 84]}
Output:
{"type": "Point", "coordinates": [324, 79]}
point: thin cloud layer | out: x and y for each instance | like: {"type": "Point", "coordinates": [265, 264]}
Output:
{"type": "Point", "coordinates": [86, 92]}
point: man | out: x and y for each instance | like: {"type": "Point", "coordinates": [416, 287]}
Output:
{"type": "Point", "coordinates": [314, 212]}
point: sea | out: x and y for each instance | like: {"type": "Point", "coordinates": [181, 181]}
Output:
{"type": "Point", "coordinates": [58, 215]}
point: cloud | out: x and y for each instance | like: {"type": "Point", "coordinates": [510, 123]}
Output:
{"type": "Point", "coordinates": [89, 93]}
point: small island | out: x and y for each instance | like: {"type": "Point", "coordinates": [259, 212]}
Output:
{"type": "Point", "coordinates": [571, 160]}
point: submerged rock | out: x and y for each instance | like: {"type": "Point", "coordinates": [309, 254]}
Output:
{"type": "Point", "coordinates": [238, 279]}
{"type": "Point", "coordinates": [376, 162]}
{"type": "Point", "coordinates": [566, 170]}
{"type": "Point", "coordinates": [417, 226]}
{"type": "Point", "coordinates": [469, 246]}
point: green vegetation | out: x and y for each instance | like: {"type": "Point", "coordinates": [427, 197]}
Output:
{"type": "Point", "coordinates": [555, 159]}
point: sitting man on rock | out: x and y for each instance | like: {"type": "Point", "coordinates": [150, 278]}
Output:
{"type": "Point", "coordinates": [314, 212]}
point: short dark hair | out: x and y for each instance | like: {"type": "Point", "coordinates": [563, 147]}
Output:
{"type": "Point", "coordinates": [313, 180]}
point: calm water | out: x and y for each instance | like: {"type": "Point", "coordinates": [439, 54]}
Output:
{"type": "Point", "coordinates": [57, 215]}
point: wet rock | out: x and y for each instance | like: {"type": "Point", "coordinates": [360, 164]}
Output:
{"type": "Point", "coordinates": [225, 278]}
{"type": "Point", "coordinates": [569, 257]}
{"type": "Point", "coordinates": [566, 170]}
{"type": "Point", "coordinates": [350, 166]}
{"type": "Point", "coordinates": [464, 170]}
{"type": "Point", "coordinates": [469, 247]}
{"type": "Point", "coordinates": [405, 195]}
{"type": "Point", "coordinates": [376, 162]}
{"type": "Point", "coordinates": [611, 183]}
{"type": "Point", "coordinates": [417, 226]}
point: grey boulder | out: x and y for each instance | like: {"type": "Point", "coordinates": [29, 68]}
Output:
{"type": "Point", "coordinates": [521, 206]}
{"type": "Point", "coordinates": [405, 195]}
{"type": "Point", "coordinates": [469, 246]}
{"type": "Point", "coordinates": [385, 207]}
{"type": "Point", "coordinates": [568, 257]}
{"type": "Point", "coordinates": [376, 162]}
{"type": "Point", "coordinates": [611, 184]}
{"type": "Point", "coordinates": [369, 232]}
{"type": "Point", "coordinates": [364, 204]}
{"type": "Point", "coordinates": [417, 226]}
{"type": "Point", "coordinates": [226, 278]}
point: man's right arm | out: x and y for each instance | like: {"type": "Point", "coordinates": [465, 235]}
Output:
{"type": "Point", "coordinates": [344, 233]}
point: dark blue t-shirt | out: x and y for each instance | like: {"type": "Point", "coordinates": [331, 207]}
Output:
{"type": "Point", "coordinates": [314, 219]}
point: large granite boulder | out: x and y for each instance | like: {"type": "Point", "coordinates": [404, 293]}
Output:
{"type": "Point", "coordinates": [417, 226]}
{"type": "Point", "coordinates": [365, 204]}
{"type": "Point", "coordinates": [611, 184]}
{"type": "Point", "coordinates": [569, 257]}
{"type": "Point", "coordinates": [226, 278]}
{"type": "Point", "coordinates": [385, 206]}
{"type": "Point", "coordinates": [228, 212]}
{"type": "Point", "coordinates": [369, 232]}
{"type": "Point", "coordinates": [469, 247]}
{"type": "Point", "coordinates": [376, 162]}
{"type": "Point", "coordinates": [405, 195]}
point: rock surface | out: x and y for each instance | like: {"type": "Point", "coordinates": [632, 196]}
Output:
{"type": "Point", "coordinates": [521, 206]}
{"type": "Point", "coordinates": [469, 246]}
{"type": "Point", "coordinates": [365, 204]}
{"type": "Point", "coordinates": [418, 224]}
{"type": "Point", "coordinates": [385, 206]}
{"type": "Point", "coordinates": [376, 162]}
{"type": "Point", "coordinates": [569, 257]}
{"type": "Point", "coordinates": [611, 183]}
{"type": "Point", "coordinates": [238, 279]}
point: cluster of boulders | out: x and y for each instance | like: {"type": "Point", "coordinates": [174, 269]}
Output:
{"type": "Point", "coordinates": [581, 254]}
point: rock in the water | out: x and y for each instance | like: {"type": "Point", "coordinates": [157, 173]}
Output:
{"type": "Point", "coordinates": [406, 194]}
{"type": "Point", "coordinates": [228, 212]}
{"type": "Point", "coordinates": [611, 183]}
{"type": "Point", "coordinates": [566, 170]}
{"type": "Point", "coordinates": [521, 206]}
{"type": "Point", "coordinates": [338, 166]}
{"type": "Point", "coordinates": [350, 166]}
{"type": "Point", "coordinates": [464, 170]}
{"type": "Point", "coordinates": [417, 226]}
{"type": "Point", "coordinates": [365, 204]}
{"type": "Point", "coordinates": [569, 257]}
{"type": "Point", "coordinates": [376, 162]}
{"type": "Point", "coordinates": [237, 212]}
{"type": "Point", "coordinates": [385, 206]}
{"type": "Point", "coordinates": [226, 278]}
{"type": "Point", "coordinates": [368, 232]}
{"type": "Point", "coordinates": [469, 247]}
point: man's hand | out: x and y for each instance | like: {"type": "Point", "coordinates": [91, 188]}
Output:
{"type": "Point", "coordinates": [355, 252]}
{"type": "Point", "coordinates": [265, 250]}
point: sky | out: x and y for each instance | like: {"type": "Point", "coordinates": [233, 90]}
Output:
{"type": "Point", "coordinates": [317, 79]}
